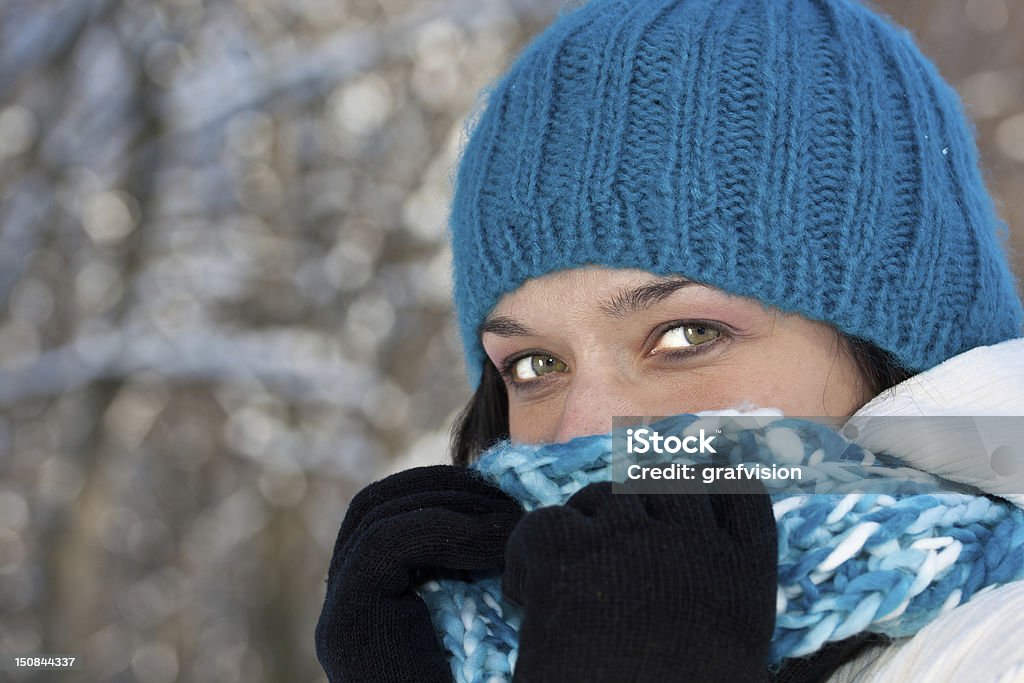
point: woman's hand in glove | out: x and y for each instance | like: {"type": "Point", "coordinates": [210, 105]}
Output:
{"type": "Point", "coordinates": [373, 626]}
{"type": "Point", "coordinates": [645, 587]}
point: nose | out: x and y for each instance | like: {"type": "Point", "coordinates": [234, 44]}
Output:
{"type": "Point", "coordinates": [590, 405]}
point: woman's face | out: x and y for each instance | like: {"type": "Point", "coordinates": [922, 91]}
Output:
{"type": "Point", "coordinates": [576, 347]}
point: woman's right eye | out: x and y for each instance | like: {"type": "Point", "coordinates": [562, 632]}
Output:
{"type": "Point", "coordinates": [533, 366]}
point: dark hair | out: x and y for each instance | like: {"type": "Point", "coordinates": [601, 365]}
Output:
{"type": "Point", "coordinates": [484, 420]}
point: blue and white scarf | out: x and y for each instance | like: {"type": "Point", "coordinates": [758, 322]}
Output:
{"type": "Point", "coordinates": [887, 550]}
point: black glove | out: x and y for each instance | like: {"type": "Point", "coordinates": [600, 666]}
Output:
{"type": "Point", "coordinates": [645, 587]}
{"type": "Point", "coordinates": [373, 626]}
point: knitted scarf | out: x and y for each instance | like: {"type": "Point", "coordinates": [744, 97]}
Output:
{"type": "Point", "coordinates": [886, 549]}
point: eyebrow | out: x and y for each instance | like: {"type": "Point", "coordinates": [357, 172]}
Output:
{"type": "Point", "coordinates": [504, 326]}
{"type": "Point", "coordinates": [635, 299]}
{"type": "Point", "coordinates": [622, 304]}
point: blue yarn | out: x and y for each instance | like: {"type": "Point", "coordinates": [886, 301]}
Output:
{"type": "Point", "coordinates": [835, 176]}
{"type": "Point", "coordinates": [932, 547]}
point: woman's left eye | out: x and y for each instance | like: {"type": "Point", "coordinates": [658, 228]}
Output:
{"type": "Point", "coordinates": [689, 334]}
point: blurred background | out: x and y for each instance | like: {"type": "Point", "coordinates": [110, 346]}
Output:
{"type": "Point", "coordinates": [225, 298]}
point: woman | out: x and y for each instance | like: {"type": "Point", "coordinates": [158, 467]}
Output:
{"type": "Point", "coordinates": [676, 206]}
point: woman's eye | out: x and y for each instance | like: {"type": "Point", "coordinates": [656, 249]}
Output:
{"type": "Point", "coordinates": [682, 336]}
{"type": "Point", "coordinates": [531, 367]}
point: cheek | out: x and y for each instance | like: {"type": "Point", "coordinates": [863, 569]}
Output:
{"type": "Point", "coordinates": [801, 379]}
{"type": "Point", "coordinates": [537, 423]}
{"type": "Point", "coordinates": [706, 389]}
{"type": "Point", "coordinates": [811, 380]}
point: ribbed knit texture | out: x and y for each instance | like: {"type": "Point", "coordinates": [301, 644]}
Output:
{"type": "Point", "coordinates": [801, 152]}
{"type": "Point", "coordinates": [885, 551]}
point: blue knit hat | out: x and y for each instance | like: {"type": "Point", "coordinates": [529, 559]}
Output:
{"type": "Point", "coordinates": [800, 152]}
